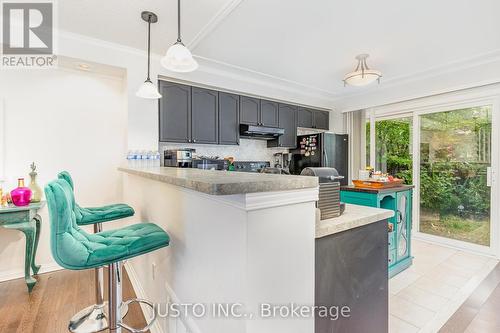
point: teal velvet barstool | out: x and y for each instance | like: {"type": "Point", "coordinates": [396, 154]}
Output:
{"type": "Point", "coordinates": [92, 318]}
{"type": "Point", "coordinates": [75, 249]}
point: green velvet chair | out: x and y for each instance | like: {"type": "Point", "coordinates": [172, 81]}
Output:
{"type": "Point", "coordinates": [75, 249]}
{"type": "Point", "coordinates": [92, 318]}
{"type": "Point", "coordinates": [93, 215]}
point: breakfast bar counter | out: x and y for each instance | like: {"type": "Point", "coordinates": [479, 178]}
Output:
{"type": "Point", "coordinates": [216, 182]}
{"type": "Point", "coordinates": [255, 240]}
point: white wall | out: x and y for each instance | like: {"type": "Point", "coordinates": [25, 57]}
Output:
{"type": "Point", "coordinates": [63, 120]}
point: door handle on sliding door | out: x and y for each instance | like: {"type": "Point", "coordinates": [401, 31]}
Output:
{"type": "Point", "coordinates": [489, 176]}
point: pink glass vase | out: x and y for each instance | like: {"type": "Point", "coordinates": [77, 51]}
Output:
{"type": "Point", "coordinates": [21, 195]}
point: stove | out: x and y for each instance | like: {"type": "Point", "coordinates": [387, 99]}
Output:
{"type": "Point", "coordinates": [250, 166]}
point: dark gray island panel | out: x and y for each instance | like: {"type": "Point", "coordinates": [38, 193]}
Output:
{"type": "Point", "coordinates": [351, 270]}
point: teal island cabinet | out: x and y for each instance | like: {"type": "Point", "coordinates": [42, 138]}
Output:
{"type": "Point", "coordinates": [398, 199]}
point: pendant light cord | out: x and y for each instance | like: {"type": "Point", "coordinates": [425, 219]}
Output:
{"type": "Point", "coordinates": [179, 21]}
{"type": "Point", "coordinates": [149, 46]}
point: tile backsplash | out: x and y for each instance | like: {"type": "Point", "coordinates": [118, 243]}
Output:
{"type": "Point", "coordinates": [248, 150]}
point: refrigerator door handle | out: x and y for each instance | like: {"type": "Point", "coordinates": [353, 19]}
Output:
{"type": "Point", "coordinates": [325, 155]}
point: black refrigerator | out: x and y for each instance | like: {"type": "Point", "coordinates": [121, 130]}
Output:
{"type": "Point", "coordinates": [321, 150]}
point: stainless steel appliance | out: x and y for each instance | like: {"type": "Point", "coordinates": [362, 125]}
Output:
{"type": "Point", "coordinates": [276, 171]}
{"type": "Point", "coordinates": [209, 163]}
{"type": "Point", "coordinates": [250, 166]}
{"type": "Point", "coordinates": [329, 191]}
{"type": "Point", "coordinates": [321, 150]}
{"type": "Point", "coordinates": [178, 158]}
{"type": "Point", "coordinates": [260, 132]}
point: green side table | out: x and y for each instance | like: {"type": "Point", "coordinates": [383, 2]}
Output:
{"type": "Point", "coordinates": [26, 220]}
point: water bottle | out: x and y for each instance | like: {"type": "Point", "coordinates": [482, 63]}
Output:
{"type": "Point", "coordinates": [144, 162]}
{"type": "Point", "coordinates": [157, 159]}
{"type": "Point", "coordinates": [130, 159]}
{"type": "Point", "coordinates": [150, 160]}
{"type": "Point", "coordinates": [135, 159]}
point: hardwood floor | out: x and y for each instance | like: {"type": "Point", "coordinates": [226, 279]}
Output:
{"type": "Point", "coordinates": [479, 313]}
{"type": "Point", "coordinates": [55, 299]}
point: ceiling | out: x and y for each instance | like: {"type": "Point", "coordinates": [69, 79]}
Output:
{"type": "Point", "coordinates": [310, 43]}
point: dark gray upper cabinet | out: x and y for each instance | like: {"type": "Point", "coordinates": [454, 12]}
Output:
{"type": "Point", "coordinates": [268, 113]}
{"type": "Point", "coordinates": [288, 121]}
{"type": "Point", "coordinates": [175, 112]}
{"type": "Point", "coordinates": [305, 117]}
{"type": "Point", "coordinates": [249, 110]}
{"type": "Point", "coordinates": [204, 116]}
{"type": "Point", "coordinates": [229, 119]}
{"type": "Point", "coordinates": [322, 120]}
{"type": "Point", "coordinates": [313, 118]}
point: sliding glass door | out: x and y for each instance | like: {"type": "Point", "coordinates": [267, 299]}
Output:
{"type": "Point", "coordinates": [448, 153]}
{"type": "Point", "coordinates": [455, 162]}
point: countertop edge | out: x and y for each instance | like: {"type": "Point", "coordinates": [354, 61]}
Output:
{"type": "Point", "coordinates": [355, 216]}
{"type": "Point", "coordinates": [226, 188]}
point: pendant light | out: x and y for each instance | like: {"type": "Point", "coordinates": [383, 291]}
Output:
{"type": "Point", "coordinates": [362, 75]}
{"type": "Point", "coordinates": [148, 89]}
{"type": "Point", "coordinates": [178, 57]}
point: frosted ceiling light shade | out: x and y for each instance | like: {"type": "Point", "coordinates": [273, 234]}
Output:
{"type": "Point", "coordinates": [362, 75]}
{"type": "Point", "coordinates": [179, 59]}
{"type": "Point", "coordinates": [148, 90]}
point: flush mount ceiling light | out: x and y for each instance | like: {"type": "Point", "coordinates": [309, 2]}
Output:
{"type": "Point", "coordinates": [148, 89]}
{"type": "Point", "coordinates": [178, 57]}
{"type": "Point", "coordinates": [362, 75]}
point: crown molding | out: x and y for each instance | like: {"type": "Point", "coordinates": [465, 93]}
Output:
{"type": "Point", "coordinates": [244, 74]}
{"type": "Point", "coordinates": [317, 97]}
{"type": "Point", "coordinates": [220, 16]}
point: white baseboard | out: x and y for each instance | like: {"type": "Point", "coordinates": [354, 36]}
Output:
{"type": "Point", "coordinates": [183, 323]}
{"type": "Point", "coordinates": [140, 293]}
{"type": "Point", "coordinates": [8, 275]}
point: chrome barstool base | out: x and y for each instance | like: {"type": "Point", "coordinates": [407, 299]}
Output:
{"type": "Point", "coordinates": [93, 318]}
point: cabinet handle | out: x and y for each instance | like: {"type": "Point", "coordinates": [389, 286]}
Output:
{"type": "Point", "coordinates": [399, 216]}
{"type": "Point", "coordinates": [194, 140]}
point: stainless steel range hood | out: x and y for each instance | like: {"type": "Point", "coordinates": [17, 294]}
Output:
{"type": "Point", "coordinates": [260, 132]}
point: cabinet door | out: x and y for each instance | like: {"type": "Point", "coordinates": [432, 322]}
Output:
{"type": "Point", "coordinates": [204, 116]}
{"type": "Point", "coordinates": [249, 110]}
{"type": "Point", "coordinates": [268, 113]}
{"type": "Point", "coordinates": [403, 218]}
{"type": "Point", "coordinates": [321, 120]}
{"type": "Point", "coordinates": [175, 112]}
{"type": "Point", "coordinates": [229, 119]}
{"type": "Point", "coordinates": [305, 117]}
{"type": "Point", "coordinates": [287, 120]}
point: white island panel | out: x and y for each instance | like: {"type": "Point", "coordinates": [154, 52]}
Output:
{"type": "Point", "coordinates": [246, 248]}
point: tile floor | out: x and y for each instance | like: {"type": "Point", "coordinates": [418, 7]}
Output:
{"type": "Point", "coordinates": [424, 296]}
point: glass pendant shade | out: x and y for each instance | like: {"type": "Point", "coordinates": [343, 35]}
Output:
{"type": "Point", "coordinates": [362, 75]}
{"type": "Point", "coordinates": [148, 90]}
{"type": "Point", "coordinates": [179, 59]}
{"type": "Point", "coordinates": [362, 78]}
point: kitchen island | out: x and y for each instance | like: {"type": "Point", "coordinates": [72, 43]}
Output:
{"type": "Point", "coordinates": [239, 239]}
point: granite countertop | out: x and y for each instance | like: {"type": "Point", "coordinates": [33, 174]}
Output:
{"type": "Point", "coordinates": [217, 182]}
{"type": "Point", "coordinates": [354, 216]}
